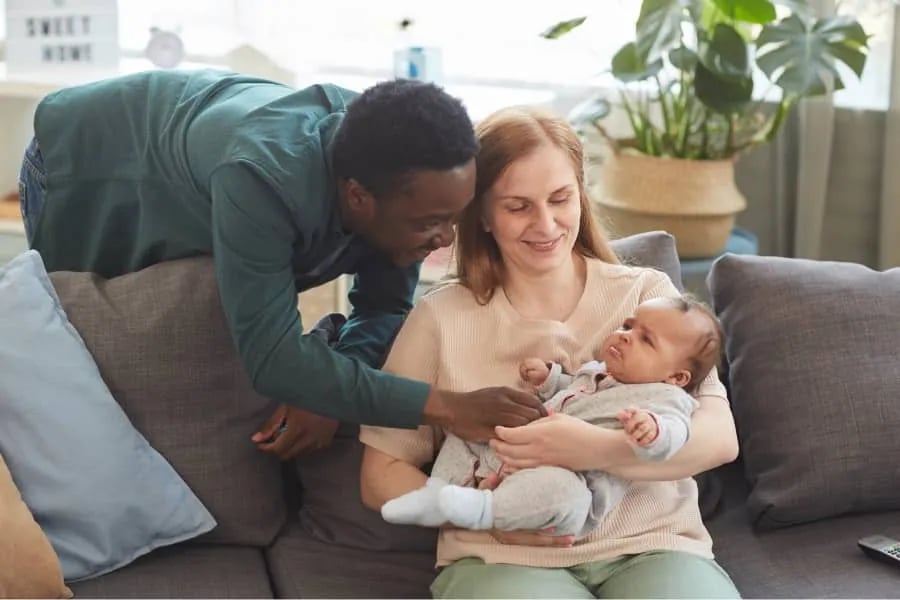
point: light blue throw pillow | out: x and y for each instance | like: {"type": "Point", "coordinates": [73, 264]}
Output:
{"type": "Point", "coordinates": [101, 493]}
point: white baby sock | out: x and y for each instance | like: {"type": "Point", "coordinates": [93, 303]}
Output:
{"type": "Point", "coordinates": [467, 507]}
{"type": "Point", "coordinates": [418, 507]}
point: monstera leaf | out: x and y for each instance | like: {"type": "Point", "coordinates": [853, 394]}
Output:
{"type": "Point", "coordinates": [723, 79]}
{"type": "Point", "coordinates": [801, 57]}
{"type": "Point", "coordinates": [630, 65]}
{"type": "Point", "coordinates": [562, 28]}
{"type": "Point", "coordinates": [695, 62]}
{"type": "Point", "coordinates": [749, 11]}
{"type": "Point", "coordinates": [659, 25]}
{"type": "Point", "coordinates": [683, 59]}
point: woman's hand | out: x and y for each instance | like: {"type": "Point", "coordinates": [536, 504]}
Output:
{"type": "Point", "coordinates": [563, 441]}
{"type": "Point", "coordinates": [559, 441]}
{"type": "Point", "coordinates": [524, 538]}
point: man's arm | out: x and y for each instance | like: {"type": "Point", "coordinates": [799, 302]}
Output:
{"type": "Point", "coordinates": [253, 243]}
{"type": "Point", "coordinates": [381, 298]}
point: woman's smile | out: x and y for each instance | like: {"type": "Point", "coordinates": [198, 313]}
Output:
{"type": "Point", "coordinates": [545, 246]}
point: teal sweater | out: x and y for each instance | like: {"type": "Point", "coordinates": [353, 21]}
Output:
{"type": "Point", "coordinates": [166, 164]}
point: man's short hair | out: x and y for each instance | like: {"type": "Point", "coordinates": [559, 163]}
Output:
{"type": "Point", "coordinates": [400, 126]}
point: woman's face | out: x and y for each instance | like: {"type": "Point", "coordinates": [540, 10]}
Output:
{"type": "Point", "coordinates": [533, 211]}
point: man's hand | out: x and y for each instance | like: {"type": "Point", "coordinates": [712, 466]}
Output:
{"type": "Point", "coordinates": [640, 426]}
{"type": "Point", "coordinates": [534, 372]}
{"type": "Point", "coordinates": [473, 415]}
{"type": "Point", "coordinates": [291, 432]}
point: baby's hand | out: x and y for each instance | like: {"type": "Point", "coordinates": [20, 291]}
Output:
{"type": "Point", "coordinates": [534, 371]}
{"type": "Point", "coordinates": [640, 426]}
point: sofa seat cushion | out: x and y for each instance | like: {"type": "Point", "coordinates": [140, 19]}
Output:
{"type": "Point", "coordinates": [163, 348]}
{"type": "Point", "coordinates": [815, 560]}
{"type": "Point", "coordinates": [302, 567]}
{"type": "Point", "coordinates": [186, 571]}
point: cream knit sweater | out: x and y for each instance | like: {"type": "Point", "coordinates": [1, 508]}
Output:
{"type": "Point", "coordinates": [451, 341]}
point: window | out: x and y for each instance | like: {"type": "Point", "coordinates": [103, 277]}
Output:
{"type": "Point", "coordinates": [482, 41]}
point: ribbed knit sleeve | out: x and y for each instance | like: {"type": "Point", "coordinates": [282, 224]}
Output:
{"type": "Point", "coordinates": [415, 355]}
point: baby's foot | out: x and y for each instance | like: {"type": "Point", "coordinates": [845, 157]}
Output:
{"type": "Point", "coordinates": [419, 507]}
{"type": "Point", "coordinates": [467, 507]}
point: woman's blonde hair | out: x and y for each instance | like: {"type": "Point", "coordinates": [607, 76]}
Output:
{"type": "Point", "coordinates": [506, 136]}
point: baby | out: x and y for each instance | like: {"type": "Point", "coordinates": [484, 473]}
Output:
{"type": "Point", "coordinates": [640, 381]}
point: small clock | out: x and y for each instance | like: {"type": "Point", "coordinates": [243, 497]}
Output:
{"type": "Point", "coordinates": [165, 48]}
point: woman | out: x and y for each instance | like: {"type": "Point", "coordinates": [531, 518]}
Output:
{"type": "Point", "coordinates": [537, 278]}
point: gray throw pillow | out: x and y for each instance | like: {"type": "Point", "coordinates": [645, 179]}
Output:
{"type": "Point", "coordinates": [815, 383]}
{"type": "Point", "coordinates": [162, 346]}
{"type": "Point", "coordinates": [332, 510]}
{"type": "Point", "coordinates": [651, 249]}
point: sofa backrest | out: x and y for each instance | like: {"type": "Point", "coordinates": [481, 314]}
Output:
{"type": "Point", "coordinates": [161, 343]}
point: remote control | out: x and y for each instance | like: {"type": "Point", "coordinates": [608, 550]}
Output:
{"type": "Point", "coordinates": [881, 548]}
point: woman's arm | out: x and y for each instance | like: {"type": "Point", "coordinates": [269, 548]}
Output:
{"type": "Point", "coordinates": [392, 457]}
{"type": "Point", "coordinates": [713, 442]}
{"type": "Point", "coordinates": [384, 478]}
{"type": "Point", "coordinates": [561, 440]}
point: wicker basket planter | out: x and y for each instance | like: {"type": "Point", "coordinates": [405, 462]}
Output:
{"type": "Point", "coordinates": [697, 201]}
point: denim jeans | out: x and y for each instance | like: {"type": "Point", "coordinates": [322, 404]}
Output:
{"type": "Point", "coordinates": [32, 185]}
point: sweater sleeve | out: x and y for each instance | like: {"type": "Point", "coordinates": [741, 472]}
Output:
{"type": "Point", "coordinates": [415, 354]}
{"type": "Point", "coordinates": [253, 241]}
{"type": "Point", "coordinates": [672, 411]}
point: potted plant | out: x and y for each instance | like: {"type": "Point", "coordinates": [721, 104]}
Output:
{"type": "Point", "coordinates": [687, 87]}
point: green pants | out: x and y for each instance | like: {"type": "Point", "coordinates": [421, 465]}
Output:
{"type": "Point", "coordinates": [657, 574]}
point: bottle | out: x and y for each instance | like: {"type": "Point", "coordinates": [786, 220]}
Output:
{"type": "Point", "coordinates": [416, 61]}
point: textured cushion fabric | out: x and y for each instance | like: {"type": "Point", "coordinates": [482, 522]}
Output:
{"type": "Point", "coordinates": [332, 510]}
{"type": "Point", "coordinates": [29, 567]}
{"type": "Point", "coordinates": [816, 560]}
{"type": "Point", "coordinates": [302, 567]}
{"type": "Point", "coordinates": [186, 571]}
{"type": "Point", "coordinates": [162, 345]}
{"type": "Point", "coordinates": [651, 249]}
{"type": "Point", "coordinates": [815, 382]}
{"type": "Point", "coordinates": [100, 492]}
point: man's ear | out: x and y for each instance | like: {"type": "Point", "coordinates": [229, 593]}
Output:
{"type": "Point", "coordinates": [360, 201]}
{"type": "Point", "coordinates": [680, 378]}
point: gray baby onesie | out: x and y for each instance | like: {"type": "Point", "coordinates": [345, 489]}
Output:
{"type": "Point", "coordinates": [572, 503]}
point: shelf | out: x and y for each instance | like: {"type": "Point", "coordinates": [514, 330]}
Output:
{"type": "Point", "coordinates": [36, 85]}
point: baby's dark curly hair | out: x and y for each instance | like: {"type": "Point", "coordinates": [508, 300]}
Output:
{"type": "Point", "coordinates": [400, 126]}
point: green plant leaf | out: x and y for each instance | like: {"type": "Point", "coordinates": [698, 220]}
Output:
{"type": "Point", "coordinates": [628, 65]}
{"type": "Point", "coordinates": [683, 58]}
{"type": "Point", "coordinates": [562, 28]}
{"type": "Point", "coordinates": [722, 95]}
{"type": "Point", "coordinates": [749, 11]}
{"type": "Point", "coordinates": [801, 57]}
{"type": "Point", "coordinates": [801, 8]}
{"type": "Point", "coordinates": [659, 26]}
{"type": "Point", "coordinates": [726, 54]}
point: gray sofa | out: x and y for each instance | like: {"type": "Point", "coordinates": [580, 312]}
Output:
{"type": "Point", "coordinates": [160, 341]}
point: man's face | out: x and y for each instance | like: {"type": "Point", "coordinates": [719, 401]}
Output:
{"type": "Point", "coordinates": [419, 218]}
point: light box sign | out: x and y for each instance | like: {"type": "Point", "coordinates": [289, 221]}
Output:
{"type": "Point", "coordinates": [50, 35]}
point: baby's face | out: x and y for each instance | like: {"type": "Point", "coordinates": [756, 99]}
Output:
{"type": "Point", "coordinates": [654, 345]}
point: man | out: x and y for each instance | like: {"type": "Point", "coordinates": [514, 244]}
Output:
{"type": "Point", "coordinates": [287, 190]}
